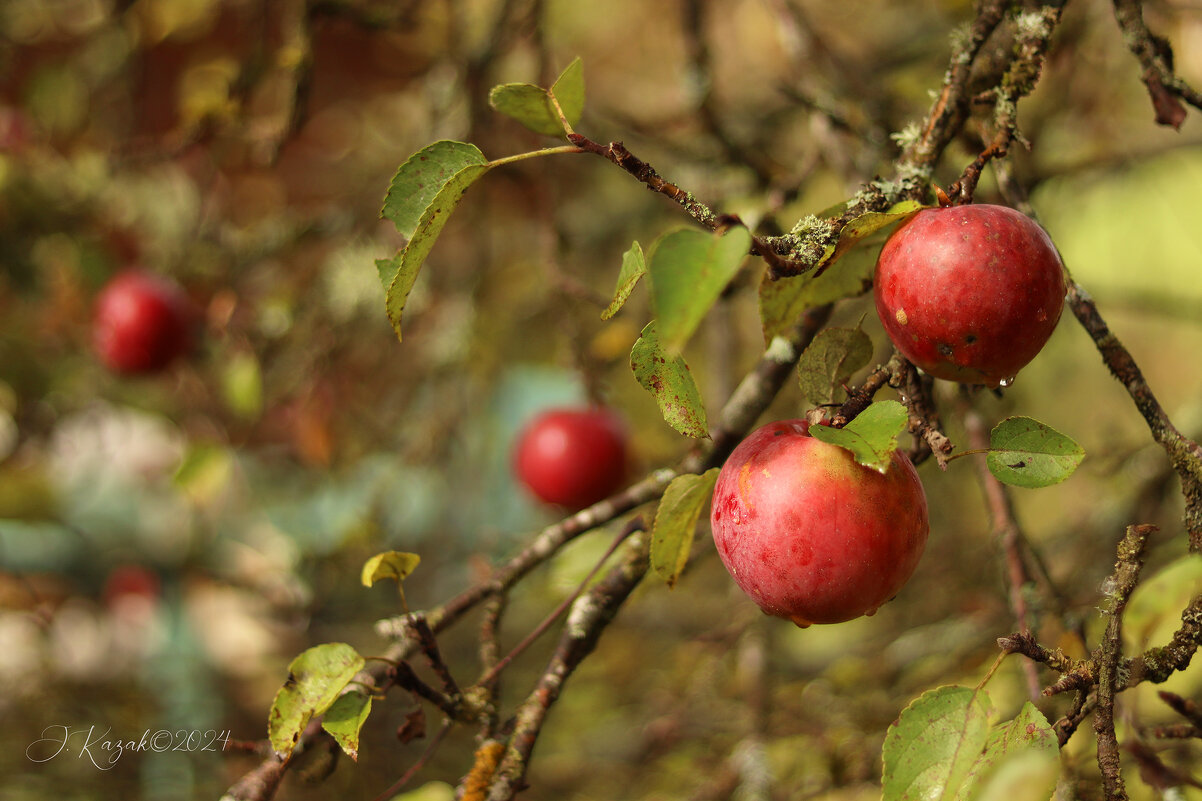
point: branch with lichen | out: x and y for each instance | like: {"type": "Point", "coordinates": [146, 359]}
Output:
{"type": "Point", "coordinates": [1109, 654]}
{"type": "Point", "coordinates": [589, 616]}
{"type": "Point", "coordinates": [1166, 89]}
{"type": "Point", "coordinates": [1184, 453]}
{"type": "Point", "coordinates": [1034, 31]}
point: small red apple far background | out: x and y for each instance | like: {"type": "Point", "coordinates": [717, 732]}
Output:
{"type": "Point", "coordinates": [969, 293]}
{"type": "Point", "coordinates": [142, 322]}
{"type": "Point", "coordinates": [572, 457]}
{"type": "Point", "coordinates": [810, 534]}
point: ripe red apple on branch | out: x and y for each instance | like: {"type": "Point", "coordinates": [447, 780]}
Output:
{"type": "Point", "coordinates": [572, 457]}
{"type": "Point", "coordinates": [142, 323]}
{"type": "Point", "coordinates": [969, 293]}
{"type": "Point", "coordinates": [809, 533]}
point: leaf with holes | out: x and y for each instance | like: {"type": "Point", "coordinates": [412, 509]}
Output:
{"type": "Point", "coordinates": [420, 199]}
{"type": "Point", "coordinates": [676, 521]}
{"type": "Point", "coordinates": [871, 437]}
{"type": "Point", "coordinates": [669, 380]}
{"type": "Point", "coordinates": [1026, 453]}
{"type": "Point", "coordinates": [830, 360]}
{"type": "Point", "coordinates": [315, 680]}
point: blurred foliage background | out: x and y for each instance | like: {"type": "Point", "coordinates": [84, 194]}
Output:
{"type": "Point", "coordinates": [168, 544]}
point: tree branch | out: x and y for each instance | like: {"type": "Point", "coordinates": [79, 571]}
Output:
{"type": "Point", "coordinates": [589, 616]}
{"type": "Point", "coordinates": [1184, 453]}
{"type": "Point", "coordinates": [1109, 655]}
{"type": "Point", "coordinates": [1165, 87]}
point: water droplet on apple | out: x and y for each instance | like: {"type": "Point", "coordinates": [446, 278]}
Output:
{"type": "Point", "coordinates": [800, 622]}
{"type": "Point", "coordinates": [1005, 382]}
{"type": "Point", "coordinates": [871, 612]}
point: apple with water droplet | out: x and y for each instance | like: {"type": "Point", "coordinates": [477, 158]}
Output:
{"type": "Point", "coordinates": [969, 293]}
{"type": "Point", "coordinates": [810, 534]}
{"type": "Point", "coordinates": [142, 323]}
{"type": "Point", "coordinates": [572, 457]}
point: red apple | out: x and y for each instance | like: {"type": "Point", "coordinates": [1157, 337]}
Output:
{"type": "Point", "coordinates": [572, 457]}
{"type": "Point", "coordinates": [142, 323]}
{"type": "Point", "coordinates": [969, 293]}
{"type": "Point", "coordinates": [811, 535]}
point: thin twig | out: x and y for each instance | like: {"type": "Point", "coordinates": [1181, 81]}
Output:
{"type": "Point", "coordinates": [1165, 87]}
{"type": "Point", "coordinates": [1109, 656]}
{"type": "Point", "coordinates": [1008, 534]}
{"type": "Point", "coordinates": [630, 528]}
{"type": "Point", "coordinates": [1184, 453]}
{"type": "Point", "coordinates": [416, 767]}
{"type": "Point", "coordinates": [590, 615]}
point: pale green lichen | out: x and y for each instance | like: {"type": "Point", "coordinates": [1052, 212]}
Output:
{"type": "Point", "coordinates": [811, 227]}
{"type": "Point", "coordinates": [961, 42]}
{"type": "Point", "coordinates": [1035, 25]}
{"type": "Point", "coordinates": [906, 137]}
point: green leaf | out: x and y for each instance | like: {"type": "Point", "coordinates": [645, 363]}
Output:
{"type": "Point", "coordinates": [1026, 453]}
{"type": "Point", "coordinates": [423, 193]}
{"type": "Point", "coordinates": [676, 522]}
{"type": "Point", "coordinates": [315, 680]}
{"type": "Point", "coordinates": [569, 91]}
{"type": "Point", "coordinates": [345, 718]}
{"type": "Point", "coordinates": [1021, 762]}
{"type": "Point", "coordinates": [784, 300]}
{"type": "Point", "coordinates": [422, 177]}
{"type": "Point", "coordinates": [871, 437]}
{"type": "Point", "coordinates": [634, 267]}
{"type": "Point", "coordinates": [531, 105]}
{"type": "Point", "coordinates": [689, 269]}
{"type": "Point", "coordinates": [1023, 776]}
{"type": "Point", "coordinates": [931, 748]}
{"type": "Point", "coordinates": [668, 378]}
{"type": "Point", "coordinates": [830, 360]}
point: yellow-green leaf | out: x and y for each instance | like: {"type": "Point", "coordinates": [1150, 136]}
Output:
{"type": "Point", "coordinates": [668, 378]}
{"type": "Point", "coordinates": [345, 718]}
{"type": "Point", "coordinates": [395, 565]}
{"type": "Point", "coordinates": [421, 197]}
{"type": "Point", "coordinates": [315, 680]}
{"type": "Point", "coordinates": [676, 522]}
{"type": "Point", "coordinates": [871, 437]}
{"type": "Point", "coordinates": [634, 267]}
{"type": "Point", "coordinates": [932, 747]}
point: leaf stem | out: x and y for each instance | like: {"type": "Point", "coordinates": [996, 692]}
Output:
{"type": "Point", "coordinates": [546, 151]}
